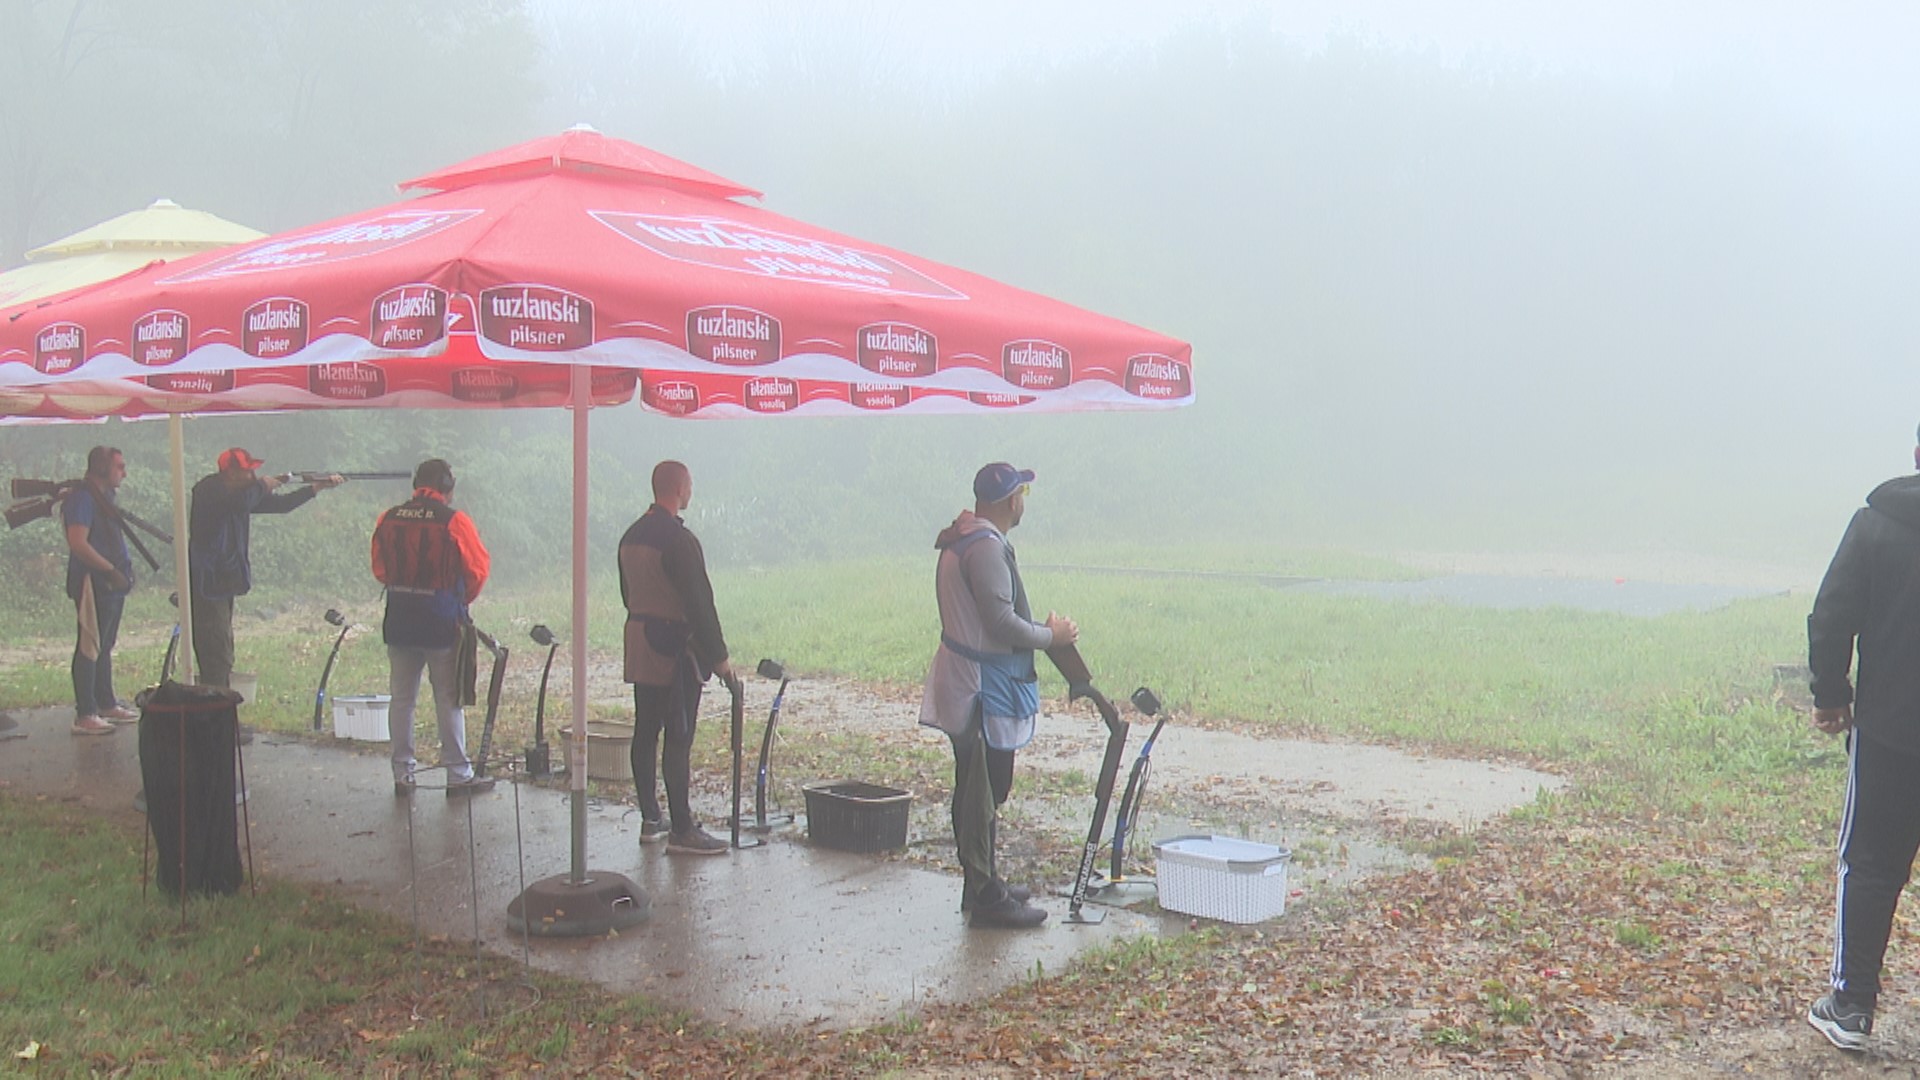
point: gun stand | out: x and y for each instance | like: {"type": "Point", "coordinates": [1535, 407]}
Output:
{"type": "Point", "coordinates": [539, 757]}
{"type": "Point", "coordinates": [739, 720]}
{"type": "Point", "coordinates": [1080, 685]}
{"type": "Point", "coordinates": [173, 643]}
{"type": "Point", "coordinates": [763, 780]}
{"type": "Point", "coordinates": [334, 618]}
{"type": "Point", "coordinates": [494, 681]}
{"type": "Point", "coordinates": [1117, 889]}
{"type": "Point", "coordinates": [1122, 893]}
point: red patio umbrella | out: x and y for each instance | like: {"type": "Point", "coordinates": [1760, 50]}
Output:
{"type": "Point", "coordinates": [571, 270]}
{"type": "Point", "coordinates": [576, 249]}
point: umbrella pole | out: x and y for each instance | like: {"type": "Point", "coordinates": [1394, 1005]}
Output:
{"type": "Point", "coordinates": [176, 439]}
{"type": "Point", "coordinates": [577, 778]}
{"type": "Point", "coordinates": [579, 903]}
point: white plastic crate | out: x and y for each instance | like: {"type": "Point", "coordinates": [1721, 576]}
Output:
{"type": "Point", "coordinates": [361, 716]}
{"type": "Point", "coordinates": [1219, 877]}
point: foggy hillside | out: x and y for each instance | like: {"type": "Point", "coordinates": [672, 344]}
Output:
{"type": "Point", "coordinates": [1437, 302]}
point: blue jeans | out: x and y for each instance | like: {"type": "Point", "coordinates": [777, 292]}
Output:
{"type": "Point", "coordinates": [93, 676]}
{"type": "Point", "coordinates": [404, 666]}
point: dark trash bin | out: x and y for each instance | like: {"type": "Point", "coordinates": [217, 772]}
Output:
{"type": "Point", "coordinates": [187, 757]}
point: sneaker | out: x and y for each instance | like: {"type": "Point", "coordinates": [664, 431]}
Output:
{"type": "Point", "coordinates": [1018, 892]}
{"type": "Point", "coordinates": [695, 841]}
{"type": "Point", "coordinates": [92, 725]}
{"type": "Point", "coordinates": [119, 714]}
{"type": "Point", "coordinates": [473, 785]}
{"type": "Point", "coordinates": [1007, 914]}
{"type": "Point", "coordinates": [653, 830]}
{"type": "Point", "coordinates": [1845, 1026]}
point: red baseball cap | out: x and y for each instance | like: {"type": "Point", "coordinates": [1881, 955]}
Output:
{"type": "Point", "coordinates": [237, 458]}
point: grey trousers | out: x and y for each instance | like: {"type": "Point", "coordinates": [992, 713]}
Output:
{"type": "Point", "coordinates": [404, 666]}
{"type": "Point", "coordinates": [982, 780]}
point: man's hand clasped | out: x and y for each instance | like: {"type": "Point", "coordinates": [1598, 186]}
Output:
{"type": "Point", "coordinates": [1833, 721]}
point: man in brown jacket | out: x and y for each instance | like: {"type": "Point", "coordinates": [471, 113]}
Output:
{"type": "Point", "coordinates": [673, 642]}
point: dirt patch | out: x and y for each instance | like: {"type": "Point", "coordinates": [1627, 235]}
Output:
{"type": "Point", "coordinates": [1344, 810]}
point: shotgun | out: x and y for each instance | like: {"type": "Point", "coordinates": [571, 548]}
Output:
{"type": "Point", "coordinates": [315, 476]}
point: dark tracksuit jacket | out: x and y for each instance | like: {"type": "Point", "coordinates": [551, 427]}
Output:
{"type": "Point", "coordinates": [1869, 602]}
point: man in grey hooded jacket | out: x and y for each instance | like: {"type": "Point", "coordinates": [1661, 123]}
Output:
{"type": "Point", "coordinates": [1869, 605]}
{"type": "Point", "coordinates": [981, 690]}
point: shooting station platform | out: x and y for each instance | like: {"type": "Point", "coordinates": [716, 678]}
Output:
{"type": "Point", "coordinates": [785, 935]}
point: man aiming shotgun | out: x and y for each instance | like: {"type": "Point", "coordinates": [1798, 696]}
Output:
{"type": "Point", "coordinates": [982, 689]}
{"type": "Point", "coordinates": [219, 535]}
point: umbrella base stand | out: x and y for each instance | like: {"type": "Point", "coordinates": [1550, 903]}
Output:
{"type": "Point", "coordinates": [561, 907]}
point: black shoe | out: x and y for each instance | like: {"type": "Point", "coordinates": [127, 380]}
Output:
{"type": "Point", "coordinates": [1845, 1026]}
{"type": "Point", "coordinates": [695, 841]}
{"type": "Point", "coordinates": [478, 785]}
{"type": "Point", "coordinates": [1007, 914]}
{"type": "Point", "coordinates": [1017, 892]}
{"type": "Point", "coordinates": [653, 830]}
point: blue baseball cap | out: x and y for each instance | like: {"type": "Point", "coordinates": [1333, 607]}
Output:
{"type": "Point", "coordinates": [999, 480]}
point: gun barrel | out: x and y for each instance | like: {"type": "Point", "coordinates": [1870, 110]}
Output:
{"type": "Point", "coordinates": [311, 475]}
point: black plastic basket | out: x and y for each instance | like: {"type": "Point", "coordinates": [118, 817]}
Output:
{"type": "Point", "coordinates": [850, 815]}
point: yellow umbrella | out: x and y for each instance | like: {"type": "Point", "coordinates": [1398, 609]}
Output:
{"type": "Point", "coordinates": [165, 230]}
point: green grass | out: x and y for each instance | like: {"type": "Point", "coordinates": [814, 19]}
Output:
{"type": "Point", "coordinates": [104, 980]}
{"type": "Point", "coordinates": [1668, 708]}
{"type": "Point", "coordinates": [1668, 721]}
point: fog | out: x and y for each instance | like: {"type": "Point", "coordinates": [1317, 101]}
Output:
{"type": "Point", "coordinates": [1619, 284]}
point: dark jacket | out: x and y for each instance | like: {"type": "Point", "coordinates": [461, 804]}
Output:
{"type": "Point", "coordinates": [219, 532]}
{"type": "Point", "coordinates": [669, 600]}
{"type": "Point", "coordinates": [1869, 602]}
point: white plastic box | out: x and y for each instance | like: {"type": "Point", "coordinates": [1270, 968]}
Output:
{"type": "Point", "coordinates": [1219, 877]}
{"type": "Point", "coordinates": [361, 716]}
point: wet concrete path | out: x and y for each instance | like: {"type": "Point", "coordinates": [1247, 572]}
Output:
{"type": "Point", "coordinates": [781, 936]}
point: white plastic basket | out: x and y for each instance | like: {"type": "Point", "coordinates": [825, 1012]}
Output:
{"type": "Point", "coordinates": [1219, 877]}
{"type": "Point", "coordinates": [361, 716]}
{"type": "Point", "coordinates": [609, 749]}
{"type": "Point", "coordinates": [246, 684]}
